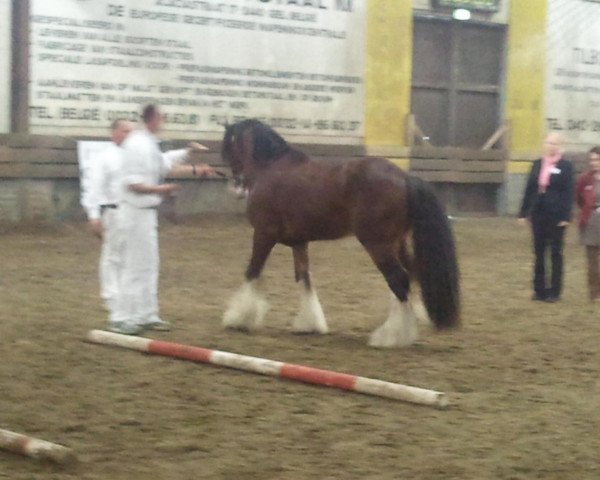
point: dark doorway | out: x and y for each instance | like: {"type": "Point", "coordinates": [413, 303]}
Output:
{"type": "Point", "coordinates": [458, 70]}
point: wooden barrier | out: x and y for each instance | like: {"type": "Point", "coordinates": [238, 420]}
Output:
{"type": "Point", "coordinates": [458, 165]}
{"type": "Point", "coordinates": [39, 175]}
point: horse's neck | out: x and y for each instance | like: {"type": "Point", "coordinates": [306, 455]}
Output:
{"type": "Point", "coordinates": [253, 172]}
{"type": "Point", "coordinates": [298, 156]}
{"type": "Point", "coordinates": [289, 160]}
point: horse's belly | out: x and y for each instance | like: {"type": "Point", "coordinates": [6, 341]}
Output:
{"type": "Point", "coordinates": [309, 229]}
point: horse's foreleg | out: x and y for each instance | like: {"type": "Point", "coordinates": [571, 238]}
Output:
{"type": "Point", "coordinates": [400, 328]}
{"type": "Point", "coordinates": [247, 307]}
{"type": "Point", "coordinates": [310, 317]}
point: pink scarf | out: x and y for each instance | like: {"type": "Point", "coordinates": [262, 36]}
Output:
{"type": "Point", "coordinates": [548, 164]}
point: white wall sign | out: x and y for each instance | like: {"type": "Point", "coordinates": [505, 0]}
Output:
{"type": "Point", "coordinates": [297, 64]}
{"type": "Point", "coordinates": [5, 56]}
{"type": "Point", "coordinates": [573, 71]}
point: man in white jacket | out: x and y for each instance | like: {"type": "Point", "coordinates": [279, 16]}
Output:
{"type": "Point", "coordinates": [144, 169]}
{"type": "Point", "coordinates": [101, 208]}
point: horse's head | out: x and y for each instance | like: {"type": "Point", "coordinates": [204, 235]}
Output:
{"type": "Point", "coordinates": [249, 146]}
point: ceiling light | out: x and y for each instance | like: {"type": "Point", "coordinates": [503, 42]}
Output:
{"type": "Point", "coordinates": [461, 14]}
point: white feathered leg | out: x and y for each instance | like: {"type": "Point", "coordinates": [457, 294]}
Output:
{"type": "Point", "coordinates": [419, 309]}
{"type": "Point", "coordinates": [247, 308]}
{"type": "Point", "coordinates": [310, 317]}
{"type": "Point", "coordinates": [400, 328]}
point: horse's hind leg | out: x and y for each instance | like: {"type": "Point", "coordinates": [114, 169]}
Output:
{"type": "Point", "coordinates": [400, 328]}
{"type": "Point", "coordinates": [414, 297]}
{"type": "Point", "coordinates": [310, 317]}
{"type": "Point", "coordinates": [247, 307]}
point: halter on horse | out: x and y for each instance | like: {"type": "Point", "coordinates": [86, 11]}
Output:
{"type": "Point", "coordinates": [294, 200]}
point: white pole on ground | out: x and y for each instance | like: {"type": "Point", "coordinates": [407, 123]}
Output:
{"type": "Point", "coordinates": [35, 448]}
{"type": "Point", "coordinates": [273, 368]}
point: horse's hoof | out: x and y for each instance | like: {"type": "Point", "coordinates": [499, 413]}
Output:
{"type": "Point", "coordinates": [383, 338]}
{"type": "Point", "coordinates": [310, 332]}
{"type": "Point", "coordinates": [241, 324]}
{"type": "Point", "coordinates": [386, 344]}
{"type": "Point", "coordinates": [238, 328]}
{"type": "Point", "coordinates": [304, 326]}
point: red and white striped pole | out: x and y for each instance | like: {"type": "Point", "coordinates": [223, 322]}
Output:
{"type": "Point", "coordinates": [273, 368]}
{"type": "Point", "coordinates": [34, 447]}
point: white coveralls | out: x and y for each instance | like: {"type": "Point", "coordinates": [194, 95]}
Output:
{"type": "Point", "coordinates": [102, 203]}
{"type": "Point", "coordinates": [143, 163]}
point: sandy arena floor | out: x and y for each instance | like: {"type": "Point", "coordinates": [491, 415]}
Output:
{"type": "Point", "coordinates": [522, 377]}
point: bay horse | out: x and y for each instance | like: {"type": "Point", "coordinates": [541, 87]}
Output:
{"type": "Point", "coordinates": [294, 200]}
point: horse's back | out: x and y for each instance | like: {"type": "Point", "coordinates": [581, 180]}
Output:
{"type": "Point", "coordinates": [378, 189]}
{"type": "Point", "coordinates": [367, 173]}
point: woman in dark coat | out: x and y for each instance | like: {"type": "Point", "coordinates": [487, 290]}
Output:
{"type": "Point", "coordinates": [547, 202]}
{"type": "Point", "coordinates": [587, 195]}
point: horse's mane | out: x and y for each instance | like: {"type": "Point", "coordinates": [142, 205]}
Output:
{"type": "Point", "coordinates": [269, 146]}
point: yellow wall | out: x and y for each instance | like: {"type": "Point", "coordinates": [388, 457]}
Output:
{"type": "Point", "coordinates": [389, 71]}
{"type": "Point", "coordinates": [526, 65]}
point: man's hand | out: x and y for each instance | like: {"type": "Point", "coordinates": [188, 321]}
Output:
{"type": "Point", "coordinates": [564, 223]}
{"type": "Point", "coordinates": [167, 189]}
{"type": "Point", "coordinates": [197, 147]}
{"type": "Point", "coordinates": [203, 170]}
{"type": "Point", "coordinates": [96, 228]}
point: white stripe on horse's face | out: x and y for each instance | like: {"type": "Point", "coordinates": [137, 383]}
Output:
{"type": "Point", "coordinates": [237, 167]}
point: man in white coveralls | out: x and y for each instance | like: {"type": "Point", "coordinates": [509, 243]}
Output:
{"type": "Point", "coordinates": [144, 168]}
{"type": "Point", "coordinates": [101, 205]}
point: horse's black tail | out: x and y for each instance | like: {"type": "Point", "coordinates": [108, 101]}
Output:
{"type": "Point", "coordinates": [435, 254]}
